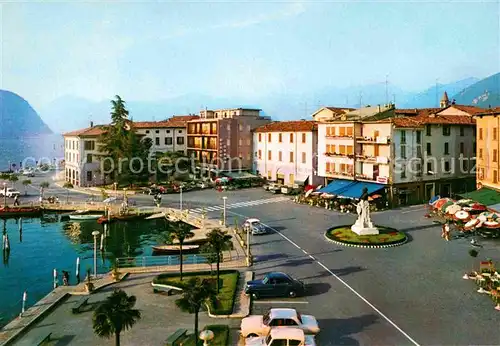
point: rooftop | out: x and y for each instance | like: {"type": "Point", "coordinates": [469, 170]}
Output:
{"type": "Point", "coordinates": [175, 121]}
{"type": "Point", "coordinates": [490, 111]}
{"type": "Point", "coordinates": [289, 126]}
{"type": "Point", "coordinates": [93, 131]}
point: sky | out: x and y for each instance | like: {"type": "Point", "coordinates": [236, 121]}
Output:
{"type": "Point", "coordinates": [158, 50]}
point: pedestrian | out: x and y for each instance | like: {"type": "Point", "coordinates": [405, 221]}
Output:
{"type": "Point", "coordinates": [16, 200]}
{"type": "Point", "coordinates": [65, 276]}
{"type": "Point", "coordinates": [447, 231]}
{"type": "Point", "coordinates": [40, 199]}
{"type": "Point", "coordinates": [443, 230]}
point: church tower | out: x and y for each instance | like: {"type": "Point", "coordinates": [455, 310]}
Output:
{"type": "Point", "coordinates": [445, 102]}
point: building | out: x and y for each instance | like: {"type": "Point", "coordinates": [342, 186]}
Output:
{"type": "Point", "coordinates": [286, 152]}
{"type": "Point", "coordinates": [222, 139]}
{"type": "Point", "coordinates": [168, 135]}
{"type": "Point", "coordinates": [488, 149]}
{"type": "Point", "coordinates": [330, 113]}
{"type": "Point", "coordinates": [80, 150]}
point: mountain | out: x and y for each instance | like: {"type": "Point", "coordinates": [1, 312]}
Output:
{"type": "Point", "coordinates": [483, 93]}
{"type": "Point", "coordinates": [18, 119]}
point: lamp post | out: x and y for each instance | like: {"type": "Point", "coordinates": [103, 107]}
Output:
{"type": "Point", "coordinates": [115, 184]}
{"type": "Point", "coordinates": [224, 216]}
{"type": "Point", "coordinates": [206, 335]}
{"type": "Point", "coordinates": [95, 234]}
{"type": "Point", "coordinates": [180, 201]}
{"type": "Point", "coordinates": [4, 194]}
{"type": "Point", "coordinates": [248, 246]}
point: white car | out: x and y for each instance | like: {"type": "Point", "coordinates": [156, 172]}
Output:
{"type": "Point", "coordinates": [254, 226]}
{"type": "Point", "coordinates": [261, 325]}
{"type": "Point", "coordinates": [283, 337]}
{"type": "Point", "coordinates": [9, 192]}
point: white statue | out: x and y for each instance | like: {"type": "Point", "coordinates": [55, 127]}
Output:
{"type": "Point", "coordinates": [364, 225]}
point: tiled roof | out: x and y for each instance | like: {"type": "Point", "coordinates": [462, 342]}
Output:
{"type": "Point", "coordinates": [175, 121]}
{"type": "Point", "coordinates": [472, 110]}
{"type": "Point", "coordinates": [490, 111]}
{"type": "Point", "coordinates": [432, 116]}
{"type": "Point", "coordinates": [340, 110]}
{"type": "Point", "coordinates": [289, 126]}
{"type": "Point", "coordinates": [96, 130]}
{"type": "Point", "coordinates": [416, 111]}
{"type": "Point", "coordinates": [406, 122]}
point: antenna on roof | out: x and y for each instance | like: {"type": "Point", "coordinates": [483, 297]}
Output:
{"type": "Point", "coordinates": [386, 89]}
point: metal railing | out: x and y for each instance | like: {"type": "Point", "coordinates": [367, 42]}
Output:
{"type": "Point", "coordinates": [172, 260]}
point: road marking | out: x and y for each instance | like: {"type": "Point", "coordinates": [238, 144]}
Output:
{"type": "Point", "coordinates": [240, 204]}
{"type": "Point", "coordinates": [279, 302]}
{"type": "Point", "coordinates": [345, 284]}
{"type": "Point", "coordinates": [310, 256]}
{"type": "Point", "coordinates": [304, 251]}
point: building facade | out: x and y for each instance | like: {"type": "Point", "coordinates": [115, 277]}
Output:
{"type": "Point", "coordinates": [286, 152]}
{"type": "Point", "coordinates": [222, 139]}
{"type": "Point", "coordinates": [488, 149]}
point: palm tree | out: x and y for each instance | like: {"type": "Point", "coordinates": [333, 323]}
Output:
{"type": "Point", "coordinates": [25, 183]}
{"type": "Point", "coordinates": [13, 178]}
{"type": "Point", "coordinates": [179, 231]}
{"type": "Point", "coordinates": [194, 295]}
{"type": "Point", "coordinates": [219, 241]}
{"type": "Point", "coordinates": [114, 315]}
{"type": "Point", "coordinates": [44, 185]}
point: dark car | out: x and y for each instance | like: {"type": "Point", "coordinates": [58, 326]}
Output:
{"type": "Point", "coordinates": [275, 284]}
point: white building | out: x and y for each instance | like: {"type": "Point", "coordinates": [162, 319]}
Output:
{"type": "Point", "coordinates": [286, 152]}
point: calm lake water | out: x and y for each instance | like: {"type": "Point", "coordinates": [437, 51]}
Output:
{"type": "Point", "coordinates": [46, 243]}
{"type": "Point", "coordinates": [46, 147]}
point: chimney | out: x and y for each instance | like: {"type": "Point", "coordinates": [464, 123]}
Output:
{"type": "Point", "coordinates": [378, 108]}
{"type": "Point", "coordinates": [91, 124]}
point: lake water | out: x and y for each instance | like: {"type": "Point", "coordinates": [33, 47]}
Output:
{"type": "Point", "coordinates": [41, 148]}
{"type": "Point", "coordinates": [46, 244]}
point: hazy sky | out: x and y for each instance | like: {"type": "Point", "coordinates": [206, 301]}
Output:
{"type": "Point", "coordinates": [155, 50]}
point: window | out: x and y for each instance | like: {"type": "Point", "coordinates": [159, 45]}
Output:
{"type": "Point", "coordinates": [291, 156]}
{"type": "Point", "coordinates": [180, 131]}
{"type": "Point", "coordinates": [403, 173]}
{"type": "Point", "coordinates": [495, 176]}
{"type": "Point", "coordinates": [428, 149]}
{"type": "Point", "coordinates": [462, 131]}
{"type": "Point", "coordinates": [495, 155]}
{"type": "Point", "coordinates": [465, 166]}
{"type": "Point", "coordinates": [269, 175]}
{"type": "Point", "coordinates": [303, 157]}
{"type": "Point", "coordinates": [89, 176]}
{"type": "Point", "coordinates": [180, 140]}
{"type": "Point", "coordinates": [280, 138]}
{"type": "Point", "coordinates": [269, 137]}
{"type": "Point", "coordinates": [481, 153]}
{"type": "Point", "coordinates": [446, 130]}
{"type": "Point", "coordinates": [481, 173]}
{"type": "Point", "coordinates": [260, 137]}
{"type": "Point", "coordinates": [495, 133]}
{"type": "Point", "coordinates": [419, 137]}
{"type": "Point", "coordinates": [350, 150]}
{"type": "Point", "coordinates": [147, 131]}
{"type": "Point", "coordinates": [481, 133]}
{"type": "Point", "coordinates": [447, 148]}
{"type": "Point", "coordinates": [168, 140]}
{"type": "Point", "coordinates": [157, 141]}
{"type": "Point", "coordinates": [89, 145]}
{"type": "Point", "coordinates": [269, 155]}
{"type": "Point", "coordinates": [447, 167]}
{"type": "Point", "coordinates": [157, 131]}
{"type": "Point", "coordinates": [294, 342]}
{"type": "Point", "coordinates": [280, 156]}
{"type": "Point", "coordinates": [428, 130]}
{"type": "Point", "coordinates": [89, 158]}
{"type": "Point", "coordinates": [330, 131]}
{"type": "Point", "coordinates": [303, 138]}
{"type": "Point", "coordinates": [349, 131]}
{"type": "Point", "coordinates": [260, 154]}
{"type": "Point", "coordinates": [429, 168]}
{"type": "Point", "coordinates": [291, 137]}
{"type": "Point", "coordinates": [462, 148]}
{"type": "Point", "coordinates": [168, 131]}
{"type": "Point", "coordinates": [239, 127]}
{"type": "Point", "coordinates": [403, 151]}
{"type": "Point", "coordinates": [342, 149]}
{"type": "Point", "coordinates": [342, 131]}
{"type": "Point", "coordinates": [403, 137]}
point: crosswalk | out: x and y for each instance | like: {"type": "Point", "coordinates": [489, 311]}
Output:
{"type": "Point", "coordinates": [241, 204]}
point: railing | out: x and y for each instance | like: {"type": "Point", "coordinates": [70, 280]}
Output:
{"type": "Point", "coordinates": [172, 260]}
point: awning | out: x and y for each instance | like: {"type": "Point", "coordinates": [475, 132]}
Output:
{"type": "Point", "coordinates": [239, 175]}
{"type": "Point", "coordinates": [351, 189]}
{"type": "Point", "coordinates": [484, 196]}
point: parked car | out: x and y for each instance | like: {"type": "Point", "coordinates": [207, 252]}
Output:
{"type": "Point", "coordinates": [254, 226]}
{"type": "Point", "coordinates": [261, 325]}
{"type": "Point", "coordinates": [29, 173]}
{"type": "Point", "coordinates": [275, 284]}
{"type": "Point", "coordinates": [283, 337]}
{"type": "Point", "coordinates": [9, 192]}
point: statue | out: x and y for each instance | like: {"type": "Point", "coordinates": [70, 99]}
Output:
{"type": "Point", "coordinates": [364, 225]}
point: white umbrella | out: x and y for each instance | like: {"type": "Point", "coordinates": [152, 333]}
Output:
{"type": "Point", "coordinates": [109, 200]}
{"type": "Point", "coordinates": [452, 209]}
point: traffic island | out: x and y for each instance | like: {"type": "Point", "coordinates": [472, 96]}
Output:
{"type": "Point", "coordinates": [387, 237]}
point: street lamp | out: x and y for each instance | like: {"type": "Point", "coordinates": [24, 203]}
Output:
{"type": "Point", "coordinates": [206, 335]}
{"type": "Point", "coordinates": [224, 217]}
{"type": "Point", "coordinates": [95, 234]}
{"type": "Point", "coordinates": [4, 194]}
{"type": "Point", "coordinates": [180, 201]}
{"type": "Point", "coordinates": [115, 184]}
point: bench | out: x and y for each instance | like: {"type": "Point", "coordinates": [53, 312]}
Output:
{"type": "Point", "coordinates": [45, 339]}
{"type": "Point", "coordinates": [79, 304]}
{"type": "Point", "coordinates": [173, 339]}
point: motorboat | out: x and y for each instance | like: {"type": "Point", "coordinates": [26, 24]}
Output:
{"type": "Point", "coordinates": [84, 215]}
{"type": "Point", "coordinates": [175, 249]}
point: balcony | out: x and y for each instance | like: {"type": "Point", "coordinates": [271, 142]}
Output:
{"type": "Point", "coordinates": [373, 140]}
{"type": "Point", "coordinates": [361, 176]}
{"type": "Point", "coordinates": [349, 156]}
{"type": "Point", "coordinates": [383, 160]}
{"type": "Point", "coordinates": [339, 136]}
{"type": "Point", "coordinates": [344, 175]}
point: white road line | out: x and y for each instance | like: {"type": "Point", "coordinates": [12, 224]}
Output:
{"type": "Point", "coordinates": [240, 204]}
{"type": "Point", "coordinates": [314, 259]}
{"type": "Point", "coordinates": [345, 284]}
{"type": "Point", "coordinates": [279, 302]}
{"type": "Point", "coordinates": [304, 251]}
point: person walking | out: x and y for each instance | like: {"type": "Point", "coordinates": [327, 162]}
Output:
{"type": "Point", "coordinates": [447, 231]}
{"type": "Point", "coordinates": [16, 200]}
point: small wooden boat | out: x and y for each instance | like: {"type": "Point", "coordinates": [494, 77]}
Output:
{"type": "Point", "coordinates": [84, 215]}
{"type": "Point", "coordinates": [19, 211]}
{"type": "Point", "coordinates": [175, 249]}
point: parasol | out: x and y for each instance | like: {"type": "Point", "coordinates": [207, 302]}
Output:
{"type": "Point", "coordinates": [440, 202]}
{"type": "Point", "coordinates": [446, 205]}
{"type": "Point", "coordinates": [462, 215]}
{"type": "Point", "coordinates": [475, 207]}
{"type": "Point", "coordinates": [452, 209]}
{"type": "Point", "coordinates": [485, 216]}
{"type": "Point", "coordinates": [326, 195]}
{"type": "Point", "coordinates": [491, 224]}
{"type": "Point", "coordinates": [471, 224]}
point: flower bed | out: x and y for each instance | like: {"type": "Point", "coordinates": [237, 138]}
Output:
{"type": "Point", "coordinates": [387, 237]}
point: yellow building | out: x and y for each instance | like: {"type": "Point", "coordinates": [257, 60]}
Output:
{"type": "Point", "coordinates": [488, 149]}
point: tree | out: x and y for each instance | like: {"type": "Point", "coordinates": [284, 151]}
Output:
{"type": "Point", "coordinates": [44, 185]}
{"type": "Point", "coordinates": [13, 178]}
{"type": "Point", "coordinates": [179, 231]}
{"type": "Point", "coordinates": [67, 185]}
{"type": "Point", "coordinates": [4, 176]}
{"type": "Point", "coordinates": [210, 256]}
{"type": "Point", "coordinates": [114, 315]}
{"type": "Point", "coordinates": [25, 183]}
{"type": "Point", "coordinates": [219, 240]}
{"type": "Point", "coordinates": [194, 295]}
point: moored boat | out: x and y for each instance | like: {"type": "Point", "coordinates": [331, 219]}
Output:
{"type": "Point", "coordinates": [175, 249]}
{"type": "Point", "coordinates": [19, 211]}
{"type": "Point", "coordinates": [83, 216]}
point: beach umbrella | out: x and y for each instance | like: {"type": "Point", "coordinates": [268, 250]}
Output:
{"type": "Point", "coordinates": [326, 195]}
{"type": "Point", "coordinates": [493, 224]}
{"type": "Point", "coordinates": [465, 202]}
{"type": "Point", "coordinates": [433, 199]}
{"type": "Point", "coordinates": [440, 202]}
{"type": "Point", "coordinates": [478, 207]}
{"type": "Point", "coordinates": [471, 224]}
{"type": "Point", "coordinates": [453, 208]}
{"type": "Point", "coordinates": [462, 215]}
{"type": "Point", "coordinates": [485, 216]}
{"type": "Point", "coordinates": [446, 205]}
{"type": "Point", "coordinates": [109, 200]}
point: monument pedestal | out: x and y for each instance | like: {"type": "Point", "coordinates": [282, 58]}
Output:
{"type": "Point", "coordinates": [364, 230]}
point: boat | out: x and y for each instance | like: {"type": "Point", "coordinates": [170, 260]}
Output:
{"type": "Point", "coordinates": [175, 249]}
{"type": "Point", "coordinates": [19, 211]}
{"type": "Point", "coordinates": [84, 215]}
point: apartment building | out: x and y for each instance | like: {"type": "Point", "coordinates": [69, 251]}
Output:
{"type": "Point", "coordinates": [168, 135]}
{"type": "Point", "coordinates": [488, 149]}
{"type": "Point", "coordinates": [330, 113]}
{"type": "Point", "coordinates": [286, 152]}
{"type": "Point", "coordinates": [222, 139]}
{"type": "Point", "coordinates": [80, 150]}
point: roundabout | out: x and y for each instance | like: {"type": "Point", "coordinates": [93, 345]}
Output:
{"type": "Point", "coordinates": [387, 237]}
